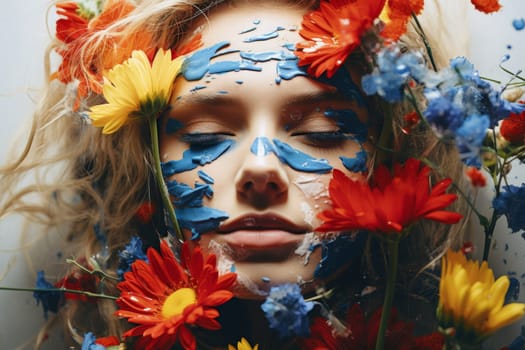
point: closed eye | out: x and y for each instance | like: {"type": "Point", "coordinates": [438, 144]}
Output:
{"type": "Point", "coordinates": [323, 139]}
{"type": "Point", "coordinates": [203, 140]}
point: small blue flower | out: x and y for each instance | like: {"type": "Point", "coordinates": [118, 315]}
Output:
{"type": "Point", "coordinates": [469, 138]}
{"type": "Point", "coordinates": [393, 71]}
{"type": "Point", "coordinates": [89, 343]}
{"type": "Point", "coordinates": [286, 310]}
{"type": "Point", "coordinates": [131, 252]}
{"type": "Point", "coordinates": [442, 112]}
{"type": "Point", "coordinates": [50, 300]}
{"type": "Point", "coordinates": [510, 203]}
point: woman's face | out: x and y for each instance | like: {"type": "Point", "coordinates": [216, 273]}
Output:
{"type": "Point", "coordinates": [249, 146]}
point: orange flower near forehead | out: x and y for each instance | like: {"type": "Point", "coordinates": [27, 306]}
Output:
{"type": "Point", "coordinates": [82, 58]}
{"type": "Point", "coordinates": [396, 15]}
{"type": "Point", "coordinates": [389, 205]}
{"type": "Point", "coordinates": [333, 31]}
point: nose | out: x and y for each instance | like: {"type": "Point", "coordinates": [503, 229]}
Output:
{"type": "Point", "coordinates": [262, 181]}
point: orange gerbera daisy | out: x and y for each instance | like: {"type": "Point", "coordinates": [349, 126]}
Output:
{"type": "Point", "coordinates": [167, 298]}
{"type": "Point", "coordinates": [391, 204]}
{"type": "Point", "coordinates": [396, 14]}
{"type": "Point", "coordinates": [75, 29]}
{"type": "Point", "coordinates": [333, 31]}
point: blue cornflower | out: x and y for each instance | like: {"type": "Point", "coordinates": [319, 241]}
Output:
{"type": "Point", "coordinates": [89, 343]}
{"type": "Point", "coordinates": [50, 300]}
{"type": "Point", "coordinates": [510, 203]}
{"type": "Point", "coordinates": [470, 136]}
{"type": "Point", "coordinates": [131, 252]}
{"type": "Point", "coordinates": [393, 71]}
{"type": "Point", "coordinates": [286, 310]}
{"type": "Point", "coordinates": [442, 112]}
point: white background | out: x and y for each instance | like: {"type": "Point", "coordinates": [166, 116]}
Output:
{"type": "Point", "coordinates": [23, 37]}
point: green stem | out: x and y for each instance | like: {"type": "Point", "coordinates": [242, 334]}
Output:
{"type": "Point", "coordinates": [160, 179]}
{"type": "Point", "coordinates": [393, 253]}
{"type": "Point", "coordinates": [61, 290]}
{"type": "Point", "coordinates": [96, 271]}
{"type": "Point", "coordinates": [425, 42]}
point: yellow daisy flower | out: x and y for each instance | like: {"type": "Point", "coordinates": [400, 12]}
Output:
{"type": "Point", "coordinates": [471, 300]}
{"type": "Point", "coordinates": [136, 88]}
{"type": "Point", "coordinates": [243, 345]}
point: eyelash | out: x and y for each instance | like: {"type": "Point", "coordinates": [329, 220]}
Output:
{"type": "Point", "coordinates": [323, 138]}
{"type": "Point", "coordinates": [203, 140]}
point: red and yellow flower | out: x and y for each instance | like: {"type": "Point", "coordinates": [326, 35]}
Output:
{"type": "Point", "coordinates": [167, 298]}
{"type": "Point", "coordinates": [333, 31]}
{"type": "Point", "coordinates": [392, 203]}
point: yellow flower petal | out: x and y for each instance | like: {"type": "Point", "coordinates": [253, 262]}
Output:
{"type": "Point", "coordinates": [136, 88]}
{"type": "Point", "coordinates": [471, 300]}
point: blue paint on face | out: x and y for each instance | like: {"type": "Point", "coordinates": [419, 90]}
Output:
{"type": "Point", "coordinates": [349, 123]}
{"type": "Point", "coordinates": [191, 213]}
{"type": "Point", "coordinates": [261, 146]}
{"type": "Point", "coordinates": [298, 160]}
{"type": "Point", "coordinates": [173, 125]}
{"type": "Point", "coordinates": [356, 164]}
{"type": "Point", "coordinates": [232, 66]}
{"type": "Point", "coordinates": [265, 36]}
{"type": "Point", "coordinates": [339, 252]}
{"type": "Point", "coordinates": [267, 56]}
{"type": "Point", "coordinates": [289, 69]}
{"type": "Point", "coordinates": [205, 177]}
{"type": "Point", "coordinates": [257, 22]}
{"type": "Point", "coordinates": [194, 157]}
{"type": "Point", "coordinates": [342, 80]}
{"type": "Point", "coordinates": [185, 196]}
{"type": "Point", "coordinates": [200, 219]}
{"type": "Point", "coordinates": [247, 30]}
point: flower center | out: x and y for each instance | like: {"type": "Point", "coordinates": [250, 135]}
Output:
{"type": "Point", "coordinates": [177, 301]}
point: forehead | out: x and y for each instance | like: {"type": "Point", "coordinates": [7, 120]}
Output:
{"type": "Point", "coordinates": [250, 27]}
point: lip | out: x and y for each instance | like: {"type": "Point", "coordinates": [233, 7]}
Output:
{"type": "Point", "coordinates": [261, 232]}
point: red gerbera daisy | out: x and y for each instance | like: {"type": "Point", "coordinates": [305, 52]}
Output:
{"type": "Point", "coordinates": [512, 128]}
{"type": "Point", "coordinates": [363, 334]}
{"type": "Point", "coordinates": [166, 298]}
{"type": "Point", "coordinates": [391, 204]}
{"type": "Point", "coordinates": [333, 31]}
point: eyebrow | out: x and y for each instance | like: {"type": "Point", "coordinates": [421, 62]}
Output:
{"type": "Point", "coordinates": [205, 99]}
{"type": "Point", "coordinates": [315, 97]}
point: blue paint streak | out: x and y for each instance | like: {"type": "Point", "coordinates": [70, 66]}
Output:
{"type": "Point", "coordinates": [261, 146]}
{"type": "Point", "coordinates": [298, 160]}
{"type": "Point", "coordinates": [232, 66]}
{"type": "Point", "coordinates": [205, 177]}
{"type": "Point", "coordinates": [196, 66]}
{"type": "Point", "coordinates": [185, 196]}
{"type": "Point", "coordinates": [265, 36]}
{"type": "Point", "coordinates": [247, 30]}
{"type": "Point", "coordinates": [349, 123]}
{"type": "Point", "coordinates": [194, 157]}
{"type": "Point", "coordinates": [267, 56]}
{"type": "Point", "coordinates": [200, 219]}
{"type": "Point", "coordinates": [356, 164]}
{"type": "Point", "coordinates": [339, 252]}
{"type": "Point", "coordinates": [289, 69]}
{"type": "Point", "coordinates": [345, 85]}
{"type": "Point", "coordinates": [173, 125]}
